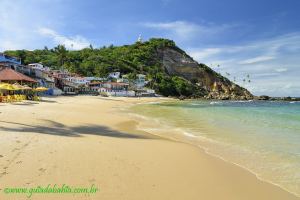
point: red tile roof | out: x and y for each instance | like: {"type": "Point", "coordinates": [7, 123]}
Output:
{"type": "Point", "coordinates": [7, 74]}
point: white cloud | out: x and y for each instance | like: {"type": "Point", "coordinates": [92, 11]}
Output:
{"type": "Point", "coordinates": [256, 60]}
{"type": "Point", "coordinates": [281, 70]}
{"type": "Point", "coordinates": [20, 23]}
{"type": "Point", "coordinates": [263, 60]}
{"type": "Point", "coordinates": [12, 32]}
{"type": "Point", "coordinates": [202, 54]}
{"type": "Point", "coordinates": [74, 42]}
{"type": "Point", "coordinates": [183, 30]}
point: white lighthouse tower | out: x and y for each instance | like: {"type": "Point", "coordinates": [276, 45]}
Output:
{"type": "Point", "coordinates": [140, 39]}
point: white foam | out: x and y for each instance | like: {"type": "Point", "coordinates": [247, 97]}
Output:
{"type": "Point", "coordinates": [215, 102]}
{"type": "Point", "coordinates": [189, 134]}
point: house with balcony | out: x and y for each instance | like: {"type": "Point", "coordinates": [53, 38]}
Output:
{"type": "Point", "coordinates": [112, 88]}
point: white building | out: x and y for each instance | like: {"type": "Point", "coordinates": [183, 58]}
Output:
{"type": "Point", "coordinates": [38, 66]}
{"type": "Point", "coordinates": [112, 88]}
{"type": "Point", "coordinates": [140, 81]}
{"type": "Point", "coordinates": [115, 75]}
{"type": "Point", "coordinates": [78, 80]}
{"type": "Point", "coordinates": [91, 78]}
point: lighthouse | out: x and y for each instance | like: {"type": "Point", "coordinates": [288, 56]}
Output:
{"type": "Point", "coordinates": [140, 39]}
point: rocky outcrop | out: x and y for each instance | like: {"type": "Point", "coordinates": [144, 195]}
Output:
{"type": "Point", "coordinates": [263, 97]}
{"type": "Point", "coordinates": [178, 63]}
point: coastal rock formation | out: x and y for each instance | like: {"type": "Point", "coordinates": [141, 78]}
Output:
{"type": "Point", "coordinates": [177, 63]}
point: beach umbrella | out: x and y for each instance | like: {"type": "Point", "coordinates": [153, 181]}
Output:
{"type": "Point", "coordinates": [7, 86]}
{"type": "Point", "coordinates": [26, 87]}
{"type": "Point", "coordinates": [17, 86]}
{"type": "Point", "coordinates": [40, 89]}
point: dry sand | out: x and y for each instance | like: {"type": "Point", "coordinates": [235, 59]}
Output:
{"type": "Point", "coordinates": [80, 141]}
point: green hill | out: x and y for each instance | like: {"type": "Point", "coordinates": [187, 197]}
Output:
{"type": "Point", "coordinates": [170, 70]}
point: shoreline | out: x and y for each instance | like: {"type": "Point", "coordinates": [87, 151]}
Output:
{"type": "Point", "coordinates": [206, 150]}
{"type": "Point", "coordinates": [126, 163]}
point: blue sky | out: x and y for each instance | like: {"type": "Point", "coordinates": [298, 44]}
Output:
{"type": "Point", "coordinates": [259, 38]}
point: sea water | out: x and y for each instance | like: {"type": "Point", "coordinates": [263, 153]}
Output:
{"type": "Point", "coordinates": [260, 136]}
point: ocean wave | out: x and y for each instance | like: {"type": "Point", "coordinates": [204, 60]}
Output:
{"type": "Point", "coordinates": [215, 102]}
{"type": "Point", "coordinates": [189, 134]}
{"type": "Point", "coordinates": [196, 104]}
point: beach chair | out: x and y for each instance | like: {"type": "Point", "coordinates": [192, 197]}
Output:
{"type": "Point", "coordinates": [36, 98]}
{"type": "Point", "coordinates": [19, 97]}
{"type": "Point", "coordinates": [13, 98]}
{"type": "Point", "coordinates": [3, 99]}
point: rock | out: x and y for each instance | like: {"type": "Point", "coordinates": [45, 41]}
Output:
{"type": "Point", "coordinates": [263, 97]}
{"type": "Point", "coordinates": [243, 98]}
{"type": "Point", "coordinates": [224, 98]}
{"type": "Point", "coordinates": [295, 98]}
{"type": "Point", "coordinates": [177, 63]}
{"type": "Point", "coordinates": [287, 98]}
{"type": "Point", "coordinates": [182, 98]}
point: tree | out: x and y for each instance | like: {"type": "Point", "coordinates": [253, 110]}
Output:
{"type": "Point", "coordinates": [128, 59]}
{"type": "Point", "coordinates": [61, 52]}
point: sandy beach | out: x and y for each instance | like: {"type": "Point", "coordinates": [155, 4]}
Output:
{"type": "Point", "coordinates": [82, 141]}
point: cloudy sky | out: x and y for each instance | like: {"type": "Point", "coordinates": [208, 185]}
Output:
{"type": "Point", "coordinates": [259, 38]}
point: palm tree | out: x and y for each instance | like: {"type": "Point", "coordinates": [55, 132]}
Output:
{"type": "Point", "coordinates": [61, 52]}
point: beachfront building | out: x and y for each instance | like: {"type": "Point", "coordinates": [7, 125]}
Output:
{"type": "Point", "coordinates": [145, 92]}
{"type": "Point", "coordinates": [71, 83]}
{"type": "Point", "coordinates": [112, 88]}
{"type": "Point", "coordinates": [78, 80]}
{"type": "Point", "coordinates": [44, 77]}
{"type": "Point", "coordinates": [11, 76]}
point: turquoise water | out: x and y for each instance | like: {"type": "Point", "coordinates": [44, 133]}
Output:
{"type": "Point", "coordinates": [263, 137]}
